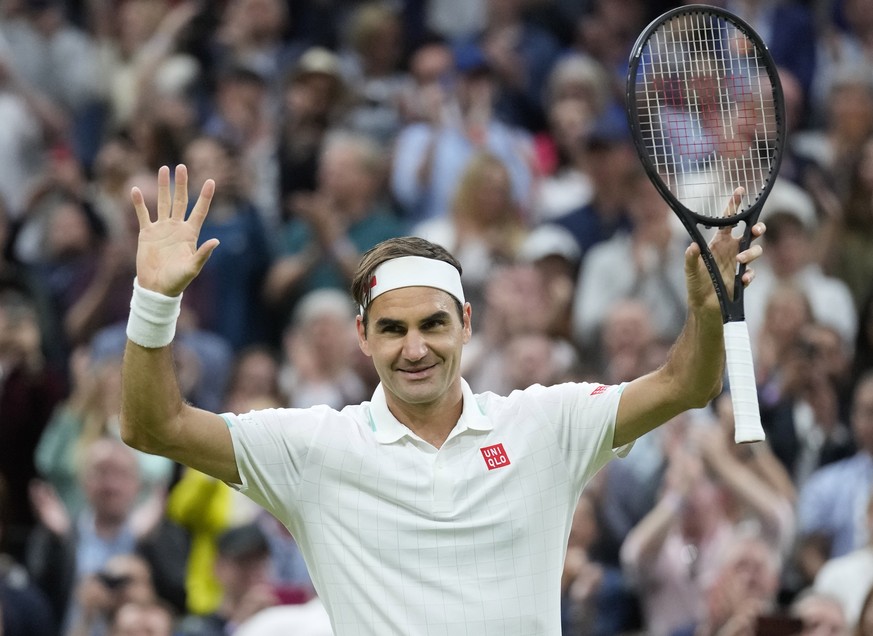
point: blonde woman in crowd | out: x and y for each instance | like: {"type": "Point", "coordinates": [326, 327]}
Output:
{"type": "Point", "coordinates": [485, 227]}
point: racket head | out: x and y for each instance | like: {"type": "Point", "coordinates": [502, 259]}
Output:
{"type": "Point", "coordinates": [707, 115]}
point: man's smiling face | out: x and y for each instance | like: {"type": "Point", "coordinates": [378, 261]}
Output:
{"type": "Point", "coordinates": [415, 337]}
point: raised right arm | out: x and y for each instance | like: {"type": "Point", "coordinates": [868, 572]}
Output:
{"type": "Point", "coordinates": [154, 417]}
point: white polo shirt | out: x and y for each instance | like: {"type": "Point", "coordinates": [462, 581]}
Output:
{"type": "Point", "coordinates": [405, 539]}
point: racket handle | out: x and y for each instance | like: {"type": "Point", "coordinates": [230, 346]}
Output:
{"type": "Point", "coordinates": [741, 375]}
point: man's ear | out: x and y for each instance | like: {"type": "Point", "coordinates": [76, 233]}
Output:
{"type": "Point", "coordinates": [363, 343]}
{"type": "Point", "coordinates": [468, 322]}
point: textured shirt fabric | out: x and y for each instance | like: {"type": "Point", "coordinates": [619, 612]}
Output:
{"type": "Point", "coordinates": [403, 538]}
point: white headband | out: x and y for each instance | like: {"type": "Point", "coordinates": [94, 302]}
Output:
{"type": "Point", "coordinates": [415, 271]}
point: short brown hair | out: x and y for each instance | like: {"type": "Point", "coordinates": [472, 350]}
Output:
{"type": "Point", "coordinates": [388, 250]}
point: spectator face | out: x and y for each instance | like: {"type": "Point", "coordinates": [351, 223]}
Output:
{"type": "Point", "coordinates": [69, 233]}
{"type": "Point", "coordinates": [569, 119]}
{"type": "Point", "coordinates": [787, 244]}
{"type": "Point", "coordinates": [628, 329]}
{"type": "Point", "coordinates": [750, 569]}
{"type": "Point", "coordinates": [851, 111]}
{"type": "Point", "coordinates": [345, 173]}
{"type": "Point", "coordinates": [826, 348]}
{"type": "Point", "coordinates": [504, 9]}
{"type": "Point", "coordinates": [494, 194]}
{"type": "Point", "coordinates": [431, 63]}
{"type": "Point", "coordinates": [258, 20]}
{"type": "Point", "coordinates": [137, 21]}
{"type": "Point", "coordinates": [207, 158]}
{"type": "Point", "coordinates": [134, 619]}
{"type": "Point", "coordinates": [20, 337]}
{"type": "Point", "coordinates": [786, 314]}
{"type": "Point", "coordinates": [129, 580]}
{"type": "Point", "coordinates": [241, 101]}
{"type": "Point", "coordinates": [329, 334]}
{"type": "Point", "coordinates": [529, 360]}
{"type": "Point", "coordinates": [256, 374]}
{"type": "Point", "coordinates": [382, 48]}
{"type": "Point", "coordinates": [240, 574]}
{"type": "Point", "coordinates": [110, 479]}
{"type": "Point", "coordinates": [311, 96]}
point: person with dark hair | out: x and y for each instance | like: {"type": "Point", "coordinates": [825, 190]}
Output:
{"type": "Point", "coordinates": [242, 566]}
{"type": "Point", "coordinates": [429, 507]}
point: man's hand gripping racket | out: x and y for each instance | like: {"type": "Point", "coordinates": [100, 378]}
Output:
{"type": "Point", "coordinates": [706, 111]}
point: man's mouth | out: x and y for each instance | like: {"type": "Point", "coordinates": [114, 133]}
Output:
{"type": "Point", "coordinates": [417, 373]}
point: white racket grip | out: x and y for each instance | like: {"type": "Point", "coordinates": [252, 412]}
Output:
{"type": "Point", "coordinates": [741, 375]}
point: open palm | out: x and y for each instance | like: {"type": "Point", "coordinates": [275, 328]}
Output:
{"type": "Point", "coordinates": [167, 257]}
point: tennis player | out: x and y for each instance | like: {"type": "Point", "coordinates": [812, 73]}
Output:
{"type": "Point", "coordinates": [429, 509]}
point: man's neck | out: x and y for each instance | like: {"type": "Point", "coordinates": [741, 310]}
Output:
{"type": "Point", "coordinates": [431, 422]}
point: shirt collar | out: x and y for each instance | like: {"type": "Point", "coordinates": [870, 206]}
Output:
{"type": "Point", "coordinates": [388, 429]}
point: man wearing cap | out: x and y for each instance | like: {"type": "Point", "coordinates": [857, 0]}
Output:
{"type": "Point", "coordinates": [429, 508]}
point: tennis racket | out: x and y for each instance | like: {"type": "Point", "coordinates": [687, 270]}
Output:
{"type": "Point", "coordinates": [705, 108]}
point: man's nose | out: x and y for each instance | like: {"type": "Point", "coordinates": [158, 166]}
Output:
{"type": "Point", "coordinates": [414, 346]}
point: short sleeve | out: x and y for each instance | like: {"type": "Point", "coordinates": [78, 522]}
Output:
{"type": "Point", "coordinates": [583, 416]}
{"type": "Point", "coordinates": [271, 447]}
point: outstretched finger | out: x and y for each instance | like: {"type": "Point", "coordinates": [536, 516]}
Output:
{"type": "Point", "coordinates": [751, 254]}
{"type": "Point", "coordinates": [733, 207]}
{"type": "Point", "coordinates": [142, 212]}
{"type": "Point", "coordinates": [164, 203]}
{"type": "Point", "coordinates": [201, 208]}
{"type": "Point", "coordinates": [180, 196]}
{"type": "Point", "coordinates": [204, 252]}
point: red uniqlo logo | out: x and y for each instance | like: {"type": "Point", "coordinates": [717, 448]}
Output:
{"type": "Point", "coordinates": [372, 282]}
{"type": "Point", "coordinates": [495, 456]}
{"type": "Point", "coordinates": [600, 389]}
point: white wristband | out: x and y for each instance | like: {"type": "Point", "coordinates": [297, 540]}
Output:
{"type": "Point", "coordinates": [152, 321]}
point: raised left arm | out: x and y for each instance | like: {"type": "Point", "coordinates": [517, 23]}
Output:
{"type": "Point", "coordinates": [693, 372]}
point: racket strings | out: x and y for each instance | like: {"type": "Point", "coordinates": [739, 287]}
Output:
{"type": "Point", "coordinates": [706, 111]}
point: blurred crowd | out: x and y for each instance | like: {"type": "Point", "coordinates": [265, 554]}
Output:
{"type": "Point", "coordinates": [497, 129]}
